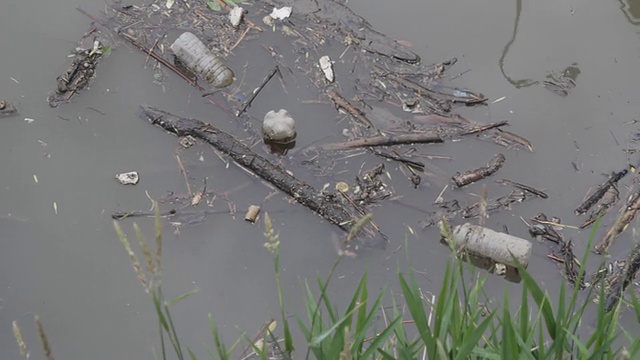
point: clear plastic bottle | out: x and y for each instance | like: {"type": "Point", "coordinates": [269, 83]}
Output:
{"type": "Point", "coordinates": [196, 56]}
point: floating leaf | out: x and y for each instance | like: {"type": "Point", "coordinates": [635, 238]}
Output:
{"type": "Point", "coordinates": [214, 5]}
{"type": "Point", "coordinates": [230, 3]}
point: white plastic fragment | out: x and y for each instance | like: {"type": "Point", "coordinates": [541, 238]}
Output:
{"type": "Point", "coordinates": [29, 120]}
{"type": "Point", "coordinates": [486, 243]}
{"type": "Point", "coordinates": [235, 16]}
{"type": "Point", "coordinates": [498, 100]}
{"type": "Point", "coordinates": [128, 178]}
{"type": "Point", "coordinates": [282, 13]}
{"type": "Point", "coordinates": [327, 68]}
{"type": "Point", "coordinates": [279, 127]}
{"type": "Point", "coordinates": [170, 3]}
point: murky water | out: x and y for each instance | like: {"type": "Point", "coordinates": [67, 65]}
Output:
{"type": "Point", "coordinates": [59, 256]}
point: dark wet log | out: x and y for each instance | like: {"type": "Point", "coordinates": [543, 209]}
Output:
{"type": "Point", "coordinates": [424, 138]}
{"type": "Point", "coordinates": [633, 205]}
{"type": "Point", "coordinates": [606, 202]}
{"type": "Point", "coordinates": [614, 293]}
{"type": "Point", "coordinates": [7, 109]}
{"type": "Point", "coordinates": [326, 206]}
{"type": "Point", "coordinates": [344, 104]}
{"type": "Point", "coordinates": [600, 191]}
{"type": "Point", "coordinates": [480, 173]}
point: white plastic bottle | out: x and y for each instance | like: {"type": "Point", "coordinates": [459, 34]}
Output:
{"type": "Point", "coordinates": [196, 56]}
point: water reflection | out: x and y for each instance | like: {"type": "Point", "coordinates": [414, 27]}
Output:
{"type": "Point", "coordinates": [631, 10]}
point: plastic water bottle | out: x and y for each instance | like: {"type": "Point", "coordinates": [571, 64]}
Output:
{"type": "Point", "coordinates": [196, 56]}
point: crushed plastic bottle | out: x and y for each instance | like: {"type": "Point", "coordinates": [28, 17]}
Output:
{"type": "Point", "coordinates": [279, 127]}
{"type": "Point", "coordinates": [196, 56]}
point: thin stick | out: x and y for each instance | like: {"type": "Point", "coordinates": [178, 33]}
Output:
{"type": "Point", "coordinates": [184, 173]}
{"type": "Point", "coordinates": [146, 61]}
{"type": "Point", "coordinates": [246, 105]}
{"type": "Point", "coordinates": [244, 33]}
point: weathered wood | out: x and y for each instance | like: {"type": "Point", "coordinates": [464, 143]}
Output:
{"type": "Point", "coordinates": [470, 176]}
{"type": "Point", "coordinates": [427, 137]}
{"type": "Point", "coordinates": [344, 104]}
{"type": "Point", "coordinates": [620, 225]}
{"type": "Point", "coordinates": [326, 206]}
{"type": "Point", "coordinates": [600, 191]}
{"type": "Point", "coordinates": [614, 293]}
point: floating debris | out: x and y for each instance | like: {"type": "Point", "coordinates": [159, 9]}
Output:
{"type": "Point", "coordinates": [499, 247]}
{"type": "Point", "coordinates": [235, 16]}
{"type": "Point", "coordinates": [281, 13]}
{"type": "Point", "coordinates": [128, 178]}
{"type": "Point", "coordinates": [252, 213]}
{"type": "Point", "coordinates": [327, 68]}
{"type": "Point", "coordinates": [471, 176]}
{"type": "Point", "coordinates": [7, 109]}
{"type": "Point", "coordinates": [78, 75]}
{"type": "Point", "coordinates": [279, 127]}
{"type": "Point", "coordinates": [196, 56]}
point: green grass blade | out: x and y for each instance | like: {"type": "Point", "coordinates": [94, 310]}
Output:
{"type": "Point", "coordinates": [541, 299]}
{"type": "Point", "coordinates": [317, 340]}
{"type": "Point", "coordinates": [180, 297]}
{"type": "Point", "coordinates": [192, 356]}
{"type": "Point", "coordinates": [381, 338]}
{"type": "Point", "coordinates": [416, 309]}
{"type": "Point", "coordinates": [327, 304]}
{"type": "Point", "coordinates": [470, 342]}
{"type": "Point", "coordinates": [174, 334]}
{"type": "Point", "coordinates": [217, 341]}
{"type": "Point", "coordinates": [366, 323]}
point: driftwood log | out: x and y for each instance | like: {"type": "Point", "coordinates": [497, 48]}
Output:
{"type": "Point", "coordinates": [620, 225]}
{"type": "Point", "coordinates": [326, 206]}
{"type": "Point", "coordinates": [470, 176]}
{"type": "Point", "coordinates": [600, 191]}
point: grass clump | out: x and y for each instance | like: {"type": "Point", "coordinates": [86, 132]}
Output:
{"type": "Point", "coordinates": [453, 324]}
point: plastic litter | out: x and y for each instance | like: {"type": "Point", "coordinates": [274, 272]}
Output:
{"type": "Point", "coordinates": [196, 56]}
{"type": "Point", "coordinates": [279, 127]}
{"type": "Point", "coordinates": [327, 68]}
{"type": "Point", "coordinates": [128, 178]}
{"type": "Point", "coordinates": [499, 247]}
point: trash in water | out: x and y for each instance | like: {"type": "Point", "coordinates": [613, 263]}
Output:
{"type": "Point", "coordinates": [279, 127]}
{"type": "Point", "coordinates": [252, 213]}
{"type": "Point", "coordinates": [327, 69]}
{"type": "Point", "coordinates": [499, 247]}
{"type": "Point", "coordinates": [128, 178]}
{"type": "Point", "coordinates": [282, 13]}
{"type": "Point", "coordinates": [7, 109]}
{"type": "Point", "coordinates": [235, 16]}
{"type": "Point", "coordinates": [195, 55]}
